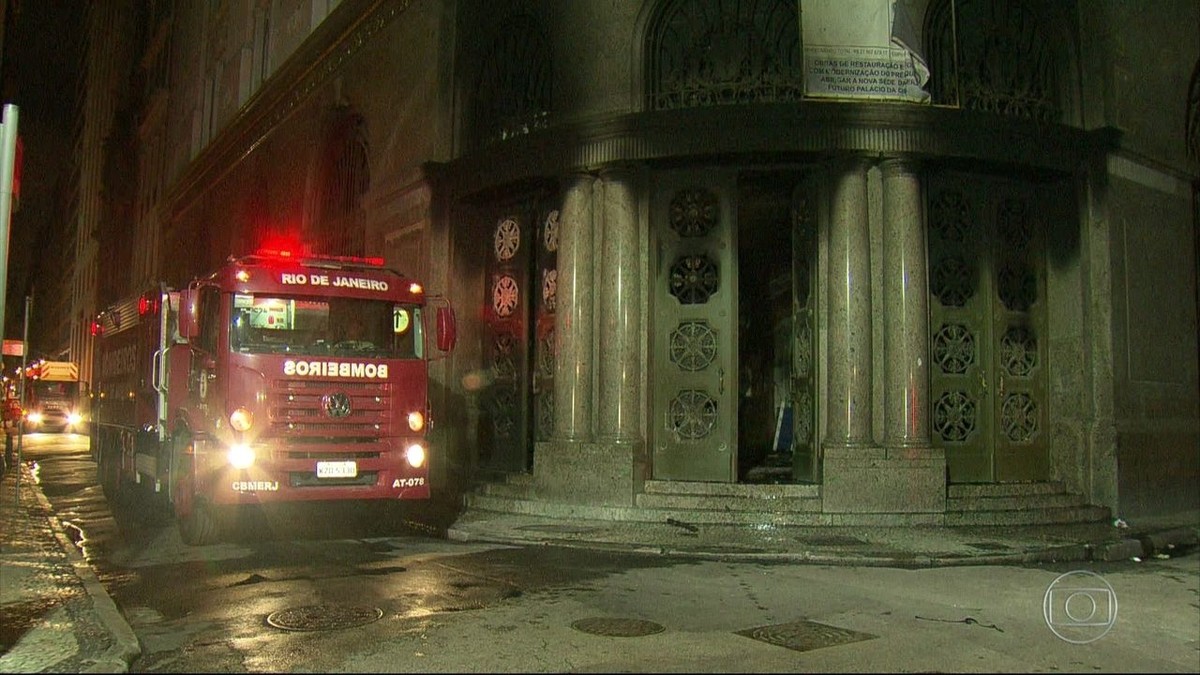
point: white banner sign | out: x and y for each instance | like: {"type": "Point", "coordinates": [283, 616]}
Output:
{"type": "Point", "coordinates": [862, 49]}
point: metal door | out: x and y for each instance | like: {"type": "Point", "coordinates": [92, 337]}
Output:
{"type": "Point", "coordinates": [694, 342]}
{"type": "Point", "coordinates": [506, 346]}
{"type": "Point", "coordinates": [988, 328]}
{"type": "Point", "coordinates": [520, 296]}
{"type": "Point", "coordinates": [806, 458]}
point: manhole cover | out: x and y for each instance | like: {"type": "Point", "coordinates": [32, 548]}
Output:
{"type": "Point", "coordinates": [610, 627]}
{"type": "Point", "coordinates": [323, 617]}
{"type": "Point", "coordinates": [804, 636]}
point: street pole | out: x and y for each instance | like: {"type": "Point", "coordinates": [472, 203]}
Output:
{"type": "Point", "coordinates": [8, 160]}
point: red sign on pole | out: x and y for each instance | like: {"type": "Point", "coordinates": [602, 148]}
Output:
{"type": "Point", "coordinates": [14, 348]}
{"type": "Point", "coordinates": [18, 162]}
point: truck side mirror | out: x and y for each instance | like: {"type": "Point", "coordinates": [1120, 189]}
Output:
{"type": "Point", "coordinates": [447, 329]}
{"type": "Point", "coordinates": [189, 321]}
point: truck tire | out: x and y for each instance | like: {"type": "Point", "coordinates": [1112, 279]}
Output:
{"type": "Point", "coordinates": [110, 474]}
{"type": "Point", "coordinates": [199, 524]}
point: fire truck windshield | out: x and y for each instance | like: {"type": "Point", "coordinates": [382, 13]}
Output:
{"type": "Point", "coordinates": [309, 326]}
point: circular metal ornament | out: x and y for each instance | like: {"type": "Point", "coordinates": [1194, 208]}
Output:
{"type": "Point", "coordinates": [507, 239]}
{"type": "Point", "coordinates": [693, 345]}
{"type": "Point", "coordinates": [550, 232]}
{"type": "Point", "coordinates": [694, 212]}
{"type": "Point", "coordinates": [549, 288]}
{"type": "Point", "coordinates": [692, 414]}
{"type": "Point", "coordinates": [323, 617]}
{"type": "Point", "coordinates": [505, 295]}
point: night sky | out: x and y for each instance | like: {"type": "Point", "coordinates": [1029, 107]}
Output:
{"type": "Point", "coordinates": [43, 45]}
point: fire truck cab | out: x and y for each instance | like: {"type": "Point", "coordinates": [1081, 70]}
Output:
{"type": "Point", "coordinates": [276, 378]}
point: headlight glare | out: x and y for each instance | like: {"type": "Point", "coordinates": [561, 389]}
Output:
{"type": "Point", "coordinates": [240, 456]}
{"type": "Point", "coordinates": [74, 418]}
{"type": "Point", "coordinates": [416, 421]}
{"type": "Point", "coordinates": [415, 454]}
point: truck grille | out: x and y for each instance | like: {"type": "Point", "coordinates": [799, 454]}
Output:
{"type": "Point", "coordinates": [298, 408]}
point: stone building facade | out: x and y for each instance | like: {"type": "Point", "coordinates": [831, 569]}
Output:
{"type": "Point", "coordinates": [690, 279]}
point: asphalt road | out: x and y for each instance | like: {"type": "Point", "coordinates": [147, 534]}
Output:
{"type": "Point", "coordinates": [369, 591]}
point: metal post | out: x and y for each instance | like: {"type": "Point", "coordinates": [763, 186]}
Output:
{"type": "Point", "coordinates": [8, 152]}
{"type": "Point", "coordinates": [8, 158]}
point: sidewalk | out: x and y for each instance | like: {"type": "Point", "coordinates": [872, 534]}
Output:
{"type": "Point", "coordinates": [55, 616]}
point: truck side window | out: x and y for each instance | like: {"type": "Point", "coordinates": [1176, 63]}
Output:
{"type": "Point", "coordinates": [210, 309]}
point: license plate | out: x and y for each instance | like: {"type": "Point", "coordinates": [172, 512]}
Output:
{"type": "Point", "coordinates": [337, 469]}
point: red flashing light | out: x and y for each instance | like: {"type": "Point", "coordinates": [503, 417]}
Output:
{"type": "Point", "coordinates": [281, 253]}
{"type": "Point", "coordinates": [143, 305]}
{"type": "Point", "coordinates": [287, 254]}
{"type": "Point", "coordinates": [96, 329]}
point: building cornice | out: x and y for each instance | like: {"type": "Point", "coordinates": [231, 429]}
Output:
{"type": "Point", "coordinates": [807, 129]}
{"type": "Point", "coordinates": [317, 61]}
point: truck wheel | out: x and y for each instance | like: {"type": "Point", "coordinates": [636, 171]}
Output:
{"type": "Point", "coordinates": [109, 475]}
{"type": "Point", "coordinates": [199, 524]}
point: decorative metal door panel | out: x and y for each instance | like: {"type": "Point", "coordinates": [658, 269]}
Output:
{"type": "Point", "coordinates": [506, 342]}
{"type": "Point", "coordinates": [694, 417]}
{"type": "Point", "coordinates": [987, 328]}
{"type": "Point", "coordinates": [545, 303]}
{"type": "Point", "coordinates": [518, 351]}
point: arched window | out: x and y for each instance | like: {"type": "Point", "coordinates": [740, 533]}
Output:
{"type": "Point", "coordinates": [723, 51]}
{"type": "Point", "coordinates": [513, 90]}
{"type": "Point", "coordinates": [1004, 62]}
{"type": "Point", "coordinates": [345, 179]}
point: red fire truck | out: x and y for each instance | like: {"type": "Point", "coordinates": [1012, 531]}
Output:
{"type": "Point", "coordinates": [250, 386]}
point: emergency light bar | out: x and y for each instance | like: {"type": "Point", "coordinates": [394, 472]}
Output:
{"type": "Point", "coordinates": [281, 254]}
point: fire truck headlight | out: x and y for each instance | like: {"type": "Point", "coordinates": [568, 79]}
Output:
{"type": "Point", "coordinates": [415, 454]}
{"type": "Point", "coordinates": [240, 456]}
{"type": "Point", "coordinates": [241, 419]}
{"type": "Point", "coordinates": [74, 418]}
{"type": "Point", "coordinates": [416, 421]}
{"type": "Point", "coordinates": [35, 417]}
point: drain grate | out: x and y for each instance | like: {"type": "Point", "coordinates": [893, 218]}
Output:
{"type": "Point", "coordinates": [617, 627]}
{"type": "Point", "coordinates": [323, 617]}
{"type": "Point", "coordinates": [803, 636]}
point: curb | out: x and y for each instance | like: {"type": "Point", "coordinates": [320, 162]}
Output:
{"type": "Point", "coordinates": [1065, 553]}
{"type": "Point", "coordinates": [118, 657]}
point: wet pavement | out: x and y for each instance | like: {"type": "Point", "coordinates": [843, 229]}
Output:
{"type": "Point", "coordinates": [57, 616]}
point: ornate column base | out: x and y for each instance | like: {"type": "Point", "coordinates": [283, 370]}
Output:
{"type": "Point", "coordinates": [884, 480]}
{"type": "Point", "coordinates": [593, 473]}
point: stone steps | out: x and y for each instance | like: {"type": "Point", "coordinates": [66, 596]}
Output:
{"type": "Point", "coordinates": [691, 502]}
{"type": "Point", "coordinates": [637, 514]}
{"type": "Point", "coordinates": [1040, 503]}
{"type": "Point", "coordinates": [1052, 516]}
